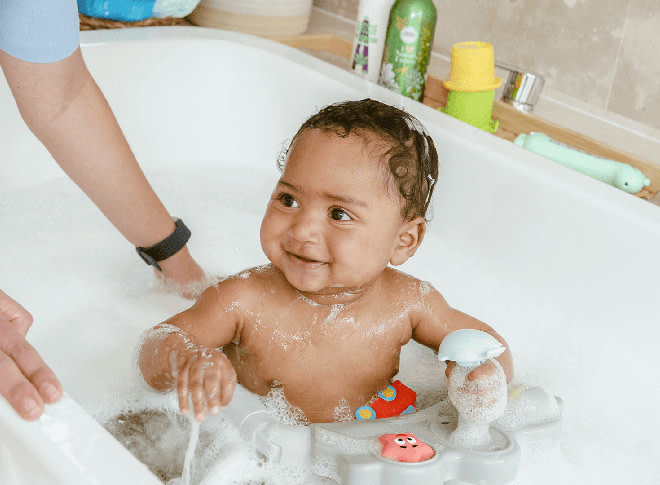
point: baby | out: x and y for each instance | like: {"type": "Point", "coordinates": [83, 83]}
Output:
{"type": "Point", "coordinates": [326, 319]}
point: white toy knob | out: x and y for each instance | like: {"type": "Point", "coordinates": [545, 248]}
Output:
{"type": "Point", "coordinates": [469, 348]}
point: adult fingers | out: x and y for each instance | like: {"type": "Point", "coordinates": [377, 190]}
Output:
{"type": "Point", "coordinates": [15, 314]}
{"type": "Point", "coordinates": [30, 363]}
{"type": "Point", "coordinates": [26, 380]}
{"type": "Point", "coordinates": [20, 392]}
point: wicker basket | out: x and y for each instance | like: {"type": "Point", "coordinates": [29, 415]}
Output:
{"type": "Point", "coordinates": [92, 23]}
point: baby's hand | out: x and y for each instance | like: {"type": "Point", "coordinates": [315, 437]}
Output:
{"type": "Point", "coordinates": [480, 394]}
{"type": "Point", "coordinates": [208, 377]}
{"type": "Point", "coordinates": [484, 371]}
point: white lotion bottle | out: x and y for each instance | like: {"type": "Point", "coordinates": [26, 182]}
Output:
{"type": "Point", "coordinates": [369, 42]}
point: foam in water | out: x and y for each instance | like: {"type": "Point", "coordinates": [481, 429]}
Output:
{"type": "Point", "coordinates": [478, 403]}
{"type": "Point", "coordinates": [323, 466]}
{"type": "Point", "coordinates": [188, 460]}
{"type": "Point", "coordinates": [343, 411]}
{"type": "Point", "coordinates": [189, 290]}
{"type": "Point", "coordinates": [526, 402]}
{"type": "Point", "coordinates": [187, 473]}
{"type": "Point", "coordinates": [277, 405]}
{"type": "Point", "coordinates": [165, 442]}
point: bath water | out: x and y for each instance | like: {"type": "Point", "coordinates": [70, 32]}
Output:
{"type": "Point", "coordinates": [91, 298]}
{"type": "Point", "coordinates": [188, 460]}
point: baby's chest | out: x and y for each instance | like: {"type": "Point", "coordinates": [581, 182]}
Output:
{"type": "Point", "coordinates": [340, 344]}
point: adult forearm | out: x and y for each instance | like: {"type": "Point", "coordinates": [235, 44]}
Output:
{"type": "Point", "coordinates": [63, 106]}
{"type": "Point", "coordinates": [66, 110]}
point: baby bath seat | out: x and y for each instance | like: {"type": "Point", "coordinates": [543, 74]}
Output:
{"type": "Point", "coordinates": [353, 452]}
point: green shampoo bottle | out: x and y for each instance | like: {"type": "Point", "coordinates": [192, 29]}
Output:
{"type": "Point", "coordinates": [408, 47]}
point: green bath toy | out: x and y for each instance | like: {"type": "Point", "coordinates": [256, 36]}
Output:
{"type": "Point", "coordinates": [474, 108]}
{"type": "Point", "coordinates": [617, 174]}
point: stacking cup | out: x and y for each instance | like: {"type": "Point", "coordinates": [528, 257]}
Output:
{"type": "Point", "coordinates": [473, 108]}
{"type": "Point", "coordinates": [472, 68]}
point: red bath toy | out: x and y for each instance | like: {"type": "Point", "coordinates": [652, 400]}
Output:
{"type": "Point", "coordinates": [405, 447]}
{"type": "Point", "coordinates": [394, 400]}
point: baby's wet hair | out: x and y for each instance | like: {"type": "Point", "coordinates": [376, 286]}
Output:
{"type": "Point", "coordinates": [410, 156]}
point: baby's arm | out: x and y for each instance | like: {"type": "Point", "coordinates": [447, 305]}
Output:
{"type": "Point", "coordinates": [435, 319]}
{"type": "Point", "coordinates": [183, 351]}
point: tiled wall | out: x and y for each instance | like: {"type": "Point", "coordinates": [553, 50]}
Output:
{"type": "Point", "coordinates": [605, 53]}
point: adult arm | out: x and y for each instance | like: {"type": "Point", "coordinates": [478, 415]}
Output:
{"type": "Point", "coordinates": [63, 106]}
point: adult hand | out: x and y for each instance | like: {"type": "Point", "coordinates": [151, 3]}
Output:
{"type": "Point", "coordinates": [25, 380]}
{"type": "Point", "coordinates": [182, 274]}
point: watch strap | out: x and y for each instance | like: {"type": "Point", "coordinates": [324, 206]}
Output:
{"type": "Point", "coordinates": [168, 247]}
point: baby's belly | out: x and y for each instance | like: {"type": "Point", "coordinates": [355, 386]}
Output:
{"type": "Point", "coordinates": [324, 387]}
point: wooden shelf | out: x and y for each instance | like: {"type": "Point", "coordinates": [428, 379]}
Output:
{"type": "Point", "coordinates": [512, 121]}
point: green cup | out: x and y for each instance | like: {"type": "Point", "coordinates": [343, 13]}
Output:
{"type": "Point", "coordinates": [474, 108]}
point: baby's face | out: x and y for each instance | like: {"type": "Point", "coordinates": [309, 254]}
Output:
{"type": "Point", "coordinates": [331, 225]}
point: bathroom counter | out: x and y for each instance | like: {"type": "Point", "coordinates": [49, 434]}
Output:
{"type": "Point", "coordinates": [619, 132]}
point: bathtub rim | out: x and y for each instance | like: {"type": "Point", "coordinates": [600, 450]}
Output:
{"type": "Point", "coordinates": [583, 186]}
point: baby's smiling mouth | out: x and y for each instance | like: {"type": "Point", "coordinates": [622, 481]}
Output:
{"type": "Point", "coordinates": [303, 259]}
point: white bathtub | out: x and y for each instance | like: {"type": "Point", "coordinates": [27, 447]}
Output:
{"type": "Point", "coordinates": [564, 267]}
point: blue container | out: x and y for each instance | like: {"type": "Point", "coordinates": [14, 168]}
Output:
{"type": "Point", "coordinates": [124, 10]}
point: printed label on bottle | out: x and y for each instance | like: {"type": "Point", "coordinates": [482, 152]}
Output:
{"type": "Point", "coordinates": [365, 34]}
{"type": "Point", "coordinates": [407, 55]}
{"type": "Point", "coordinates": [409, 35]}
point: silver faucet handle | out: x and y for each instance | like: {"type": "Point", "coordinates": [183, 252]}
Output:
{"type": "Point", "coordinates": [523, 88]}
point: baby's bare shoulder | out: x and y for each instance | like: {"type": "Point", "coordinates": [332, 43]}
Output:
{"type": "Point", "coordinates": [400, 282]}
{"type": "Point", "coordinates": [247, 277]}
{"type": "Point", "coordinates": [403, 287]}
{"type": "Point", "coordinates": [250, 287]}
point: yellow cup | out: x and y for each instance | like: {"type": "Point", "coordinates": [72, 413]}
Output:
{"type": "Point", "coordinates": [472, 67]}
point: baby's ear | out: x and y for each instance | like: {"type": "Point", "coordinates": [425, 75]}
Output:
{"type": "Point", "coordinates": [410, 237]}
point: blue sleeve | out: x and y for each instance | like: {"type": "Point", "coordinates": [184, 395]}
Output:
{"type": "Point", "coordinates": [39, 30]}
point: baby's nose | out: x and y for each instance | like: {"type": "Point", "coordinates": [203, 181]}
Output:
{"type": "Point", "coordinates": [306, 227]}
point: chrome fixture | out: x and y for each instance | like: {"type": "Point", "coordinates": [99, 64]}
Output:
{"type": "Point", "coordinates": [523, 88]}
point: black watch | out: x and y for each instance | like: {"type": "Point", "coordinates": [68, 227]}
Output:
{"type": "Point", "coordinates": [169, 246]}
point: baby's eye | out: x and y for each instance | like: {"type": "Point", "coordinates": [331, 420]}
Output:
{"type": "Point", "coordinates": [339, 215]}
{"type": "Point", "coordinates": [287, 200]}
